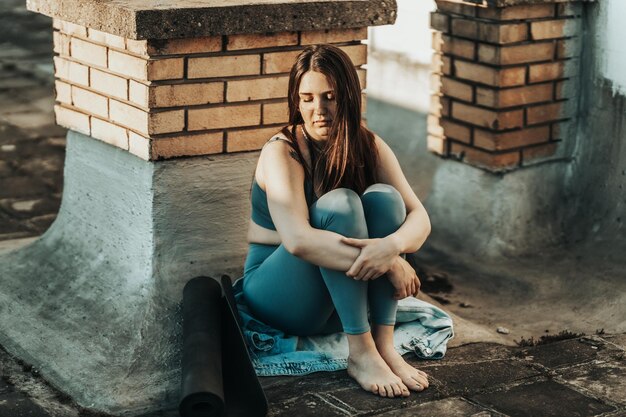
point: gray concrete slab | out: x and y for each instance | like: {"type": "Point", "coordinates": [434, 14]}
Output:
{"type": "Point", "coordinates": [16, 404]}
{"type": "Point", "coordinates": [564, 353]}
{"type": "Point", "coordinates": [468, 378]}
{"type": "Point", "coordinates": [154, 19]}
{"type": "Point", "coordinates": [606, 380]}
{"type": "Point", "coordinates": [543, 398]}
{"type": "Point", "coordinates": [450, 407]}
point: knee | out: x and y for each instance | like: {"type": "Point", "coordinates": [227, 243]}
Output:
{"type": "Point", "coordinates": [341, 211]}
{"type": "Point", "coordinates": [383, 200]}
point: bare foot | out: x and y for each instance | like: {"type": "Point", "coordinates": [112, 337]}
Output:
{"type": "Point", "coordinates": [413, 378]}
{"type": "Point", "coordinates": [372, 373]}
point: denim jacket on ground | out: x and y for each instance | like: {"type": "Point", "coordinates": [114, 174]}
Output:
{"type": "Point", "coordinates": [421, 328]}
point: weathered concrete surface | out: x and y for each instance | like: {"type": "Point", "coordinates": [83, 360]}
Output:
{"type": "Point", "coordinates": [598, 176]}
{"type": "Point", "coordinates": [154, 19]}
{"type": "Point", "coordinates": [505, 3]}
{"type": "Point", "coordinates": [580, 285]}
{"type": "Point", "coordinates": [99, 293]}
{"type": "Point", "coordinates": [575, 197]}
{"type": "Point", "coordinates": [477, 379]}
{"type": "Point", "coordinates": [472, 379]}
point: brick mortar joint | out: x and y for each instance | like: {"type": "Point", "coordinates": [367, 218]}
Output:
{"type": "Point", "coordinates": [221, 53]}
{"type": "Point", "coordinates": [500, 22]}
{"type": "Point", "coordinates": [501, 4]}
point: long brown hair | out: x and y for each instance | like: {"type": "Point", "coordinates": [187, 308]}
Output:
{"type": "Point", "coordinates": [349, 157]}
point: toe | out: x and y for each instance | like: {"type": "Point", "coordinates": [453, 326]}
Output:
{"type": "Point", "coordinates": [374, 388]}
{"type": "Point", "coordinates": [397, 391]}
{"type": "Point", "coordinates": [418, 385]}
{"type": "Point", "coordinates": [389, 391]}
{"type": "Point", "coordinates": [382, 391]}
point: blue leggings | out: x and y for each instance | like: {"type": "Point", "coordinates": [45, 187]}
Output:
{"type": "Point", "coordinates": [300, 298]}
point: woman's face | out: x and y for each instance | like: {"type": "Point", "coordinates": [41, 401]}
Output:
{"type": "Point", "coordinates": [317, 104]}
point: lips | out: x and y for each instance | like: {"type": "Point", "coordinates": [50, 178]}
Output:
{"type": "Point", "coordinates": [322, 122]}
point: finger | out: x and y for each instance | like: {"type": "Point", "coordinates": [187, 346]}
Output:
{"type": "Point", "coordinates": [369, 275]}
{"type": "Point", "coordinates": [355, 268]}
{"type": "Point", "coordinates": [353, 242]}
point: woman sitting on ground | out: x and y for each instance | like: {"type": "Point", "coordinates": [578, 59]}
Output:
{"type": "Point", "coordinates": [332, 216]}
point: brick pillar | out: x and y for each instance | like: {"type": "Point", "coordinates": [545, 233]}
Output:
{"type": "Point", "coordinates": [201, 84]}
{"type": "Point", "coordinates": [504, 78]}
{"type": "Point", "coordinates": [162, 99]}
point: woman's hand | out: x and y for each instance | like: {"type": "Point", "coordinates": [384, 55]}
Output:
{"type": "Point", "coordinates": [404, 279]}
{"type": "Point", "coordinates": [376, 258]}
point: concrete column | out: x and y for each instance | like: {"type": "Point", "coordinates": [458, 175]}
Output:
{"type": "Point", "coordinates": [168, 107]}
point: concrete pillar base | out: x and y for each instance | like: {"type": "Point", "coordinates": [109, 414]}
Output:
{"type": "Point", "coordinates": [94, 304]}
{"type": "Point", "coordinates": [477, 213]}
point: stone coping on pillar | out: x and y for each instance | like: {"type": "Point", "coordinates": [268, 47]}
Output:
{"type": "Point", "coordinates": [155, 19]}
{"type": "Point", "coordinates": [508, 3]}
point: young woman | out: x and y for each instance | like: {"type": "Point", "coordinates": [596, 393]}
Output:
{"type": "Point", "coordinates": [332, 216]}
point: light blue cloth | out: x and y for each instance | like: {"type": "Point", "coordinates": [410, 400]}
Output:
{"type": "Point", "coordinates": [421, 328]}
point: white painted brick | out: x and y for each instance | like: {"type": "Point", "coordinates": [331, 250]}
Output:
{"type": "Point", "coordinates": [63, 92]}
{"type": "Point", "coordinates": [109, 133]}
{"type": "Point", "coordinates": [72, 119]}
{"type": "Point", "coordinates": [88, 52]}
{"type": "Point", "coordinates": [107, 38]}
{"type": "Point", "coordinates": [109, 84]}
{"type": "Point", "coordinates": [139, 47]}
{"type": "Point", "coordinates": [128, 65]}
{"type": "Point", "coordinates": [90, 102]}
{"type": "Point", "coordinates": [138, 145]}
{"type": "Point", "coordinates": [73, 29]}
{"type": "Point", "coordinates": [138, 93]}
{"type": "Point", "coordinates": [61, 43]}
{"type": "Point", "coordinates": [128, 116]}
{"type": "Point", "coordinates": [71, 71]}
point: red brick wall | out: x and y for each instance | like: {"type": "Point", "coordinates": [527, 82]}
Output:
{"type": "Point", "coordinates": [162, 99]}
{"type": "Point", "coordinates": [504, 81]}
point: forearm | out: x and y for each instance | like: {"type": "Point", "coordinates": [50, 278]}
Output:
{"type": "Point", "coordinates": [324, 248]}
{"type": "Point", "coordinates": [413, 232]}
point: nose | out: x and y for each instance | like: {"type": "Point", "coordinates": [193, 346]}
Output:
{"type": "Point", "coordinates": [320, 107]}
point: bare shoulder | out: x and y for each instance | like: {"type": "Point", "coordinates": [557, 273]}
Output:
{"type": "Point", "coordinates": [277, 154]}
{"type": "Point", "coordinates": [385, 154]}
{"type": "Point", "coordinates": [279, 145]}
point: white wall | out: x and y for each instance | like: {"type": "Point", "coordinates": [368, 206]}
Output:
{"type": "Point", "coordinates": [612, 45]}
{"type": "Point", "coordinates": [400, 55]}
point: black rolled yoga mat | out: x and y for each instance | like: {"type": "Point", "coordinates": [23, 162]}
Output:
{"type": "Point", "coordinates": [218, 378]}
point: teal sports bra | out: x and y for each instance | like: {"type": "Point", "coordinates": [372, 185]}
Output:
{"type": "Point", "coordinates": [260, 212]}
